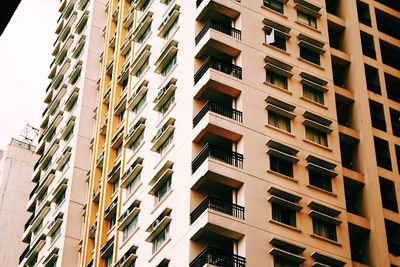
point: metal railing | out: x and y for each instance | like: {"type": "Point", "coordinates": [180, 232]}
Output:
{"type": "Point", "coordinates": [218, 257]}
{"type": "Point", "coordinates": [219, 109]}
{"type": "Point", "coordinates": [219, 65]}
{"type": "Point", "coordinates": [211, 151]}
{"type": "Point", "coordinates": [218, 26]}
{"type": "Point", "coordinates": [217, 205]}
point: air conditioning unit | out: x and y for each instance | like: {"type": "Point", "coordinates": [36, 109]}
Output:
{"type": "Point", "coordinates": [155, 224]}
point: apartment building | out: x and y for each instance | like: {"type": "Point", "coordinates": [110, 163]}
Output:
{"type": "Point", "coordinates": [56, 202]}
{"type": "Point", "coordinates": [225, 133]}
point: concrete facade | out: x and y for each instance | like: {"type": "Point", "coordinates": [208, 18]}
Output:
{"type": "Point", "coordinates": [16, 165]}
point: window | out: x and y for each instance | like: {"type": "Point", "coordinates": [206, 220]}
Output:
{"type": "Point", "coordinates": [109, 260]}
{"type": "Point", "coordinates": [319, 180]}
{"type": "Point", "coordinates": [116, 185]}
{"type": "Point", "coordinates": [171, 29]}
{"type": "Point", "coordinates": [118, 150]}
{"type": "Point", "coordinates": [282, 262]}
{"type": "Point", "coordinates": [144, 35]}
{"type": "Point", "coordinates": [55, 234]}
{"type": "Point", "coordinates": [283, 215]}
{"type": "Point", "coordinates": [168, 67]}
{"type": "Point", "coordinates": [313, 94]}
{"type": "Point", "coordinates": [137, 142]}
{"type": "Point", "coordinates": [286, 254]}
{"type": "Point", "coordinates": [162, 191]}
{"type": "Point", "coordinates": [139, 105]}
{"type": "Point", "coordinates": [133, 184]}
{"type": "Point", "coordinates": [130, 228]}
{"type": "Point", "coordinates": [310, 55]}
{"type": "Point", "coordinates": [165, 107]}
{"type": "Point", "coordinates": [324, 229]}
{"type": "Point", "coordinates": [279, 121]}
{"type": "Point", "coordinates": [281, 166]}
{"type": "Point", "coordinates": [279, 42]}
{"type": "Point", "coordinates": [60, 198]}
{"type": "Point", "coordinates": [274, 5]}
{"type": "Point", "coordinates": [306, 19]}
{"type": "Point", "coordinates": [277, 79]}
{"type": "Point", "coordinates": [165, 145]}
{"type": "Point", "coordinates": [316, 136]}
{"type": "Point", "coordinates": [69, 135]}
{"type": "Point", "coordinates": [142, 68]}
{"type": "Point", "coordinates": [160, 239]}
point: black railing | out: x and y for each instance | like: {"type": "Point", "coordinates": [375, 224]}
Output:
{"type": "Point", "coordinates": [218, 257]}
{"type": "Point", "coordinates": [212, 24]}
{"type": "Point", "coordinates": [210, 151]}
{"type": "Point", "coordinates": [219, 109]}
{"type": "Point", "coordinates": [217, 205]}
{"type": "Point", "coordinates": [219, 65]}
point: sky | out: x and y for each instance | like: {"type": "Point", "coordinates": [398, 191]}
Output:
{"type": "Point", "coordinates": [25, 57]}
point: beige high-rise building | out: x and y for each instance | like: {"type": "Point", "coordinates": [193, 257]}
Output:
{"type": "Point", "coordinates": [229, 133]}
{"type": "Point", "coordinates": [56, 201]}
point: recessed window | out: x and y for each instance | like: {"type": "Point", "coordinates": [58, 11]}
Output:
{"type": "Point", "coordinates": [283, 262]}
{"type": "Point", "coordinates": [130, 228]}
{"type": "Point", "coordinates": [279, 121]}
{"type": "Point", "coordinates": [60, 198]}
{"type": "Point", "coordinates": [283, 215]}
{"type": "Point", "coordinates": [162, 191]}
{"type": "Point", "coordinates": [281, 166]}
{"type": "Point", "coordinates": [133, 184]}
{"type": "Point", "coordinates": [144, 35]}
{"type": "Point", "coordinates": [168, 67]}
{"type": "Point", "coordinates": [313, 94]}
{"type": "Point", "coordinates": [324, 229]}
{"type": "Point", "coordinates": [277, 79]}
{"type": "Point", "coordinates": [55, 233]}
{"type": "Point", "coordinates": [316, 136]}
{"type": "Point", "coordinates": [109, 260]}
{"type": "Point", "coordinates": [160, 239]}
{"type": "Point", "coordinates": [319, 180]}
{"type": "Point", "coordinates": [142, 69]}
{"type": "Point", "coordinates": [139, 105]}
{"type": "Point", "coordinates": [166, 106]}
{"type": "Point", "coordinates": [307, 19]}
{"type": "Point", "coordinates": [310, 55]}
{"type": "Point", "coordinates": [163, 148]}
{"type": "Point", "coordinates": [274, 5]}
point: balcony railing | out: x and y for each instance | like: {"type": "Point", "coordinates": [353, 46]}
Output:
{"type": "Point", "coordinates": [220, 65]}
{"type": "Point", "coordinates": [212, 24]}
{"type": "Point", "coordinates": [218, 257]}
{"type": "Point", "coordinates": [219, 109]}
{"type": "Point", "coordinates": [210, 151]}
{"type": "Point", "coordinates": [217, 205]}
{"type": "Point", "coordinates": [198, 2]}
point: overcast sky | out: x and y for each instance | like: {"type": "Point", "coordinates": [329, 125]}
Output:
{"type": "Point", "coordinates": [25, 56]}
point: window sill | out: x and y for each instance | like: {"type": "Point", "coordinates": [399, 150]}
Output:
{"type": "Point", "coordinates": [283, 176]}
{"type": "Point", "coordinates": [279, 88]}
{"type": "Point", "coordinates": [311, 63]}
{"type": "Point", "coordinates": [321, 190]}
{"type": "Point", "coordinates": [159, 249]}
{"type": "Point", "coordinates": [314, 103]}
{"type": "Point", "coordinates": [276, 49]}
{"type": "Point", "coordinates": [307, 26]}
{"type": "Point", "coordinates": [326, 239]}
{"type": "Point", "coordinates": [316, 144]}
{"type": "Point", "coordinates": [285, 225]}
{"type": "Point", "coordinates": [280, 130]}
{"type": "Point", "coordinates": [274, 11]}
{"type": "Point", "coordinates": [161, 201]}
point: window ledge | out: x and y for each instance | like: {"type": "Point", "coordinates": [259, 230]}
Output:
{"type": "Point", "coordinates": [284, 225]}
{"type": "Point", "coordinates": [311, 63]}
{"type": "Point", "coordinates": [280, 130]}
{"type": "Point", "coordinates": [321, 190]}
{"type": "Point", "coordinates": [274, 11]}
{"type": "Point", "coordinates": [314, 103]}
{"type": "Point", "coordinates": [276, 49]}
{"type": "Point", "coordinates": [316, 144]}
{"type": "Point", "coordinates": [279, 88]}
{"type": "Point", "coordinates": [159, 249]}
{"type": "Point", "coordinates": [326, 239]}
{"type": "Point", "coordinates": [283, 176]}
{"type": "Point", "coordinates": [161, 201]}
{"type": "Point", "coordinates": [307, 26]}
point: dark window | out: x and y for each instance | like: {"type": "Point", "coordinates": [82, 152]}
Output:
{"type": "Point", "coordinates": [324, 229]}
{"type": "Point", "coordinates": [279, 121]}
{"type": "Point", "coordinates": [281, 166]}
{"type": "Point", "coordinates": [282, 262]}
{"type": "Point", "coordinates": [307, 19]}
{"type": "Point", "coordinates": [283, 215]}
{"type": "Point", "coordinates": [313, 94]}
{"type": "Point", "coordinates": [382, 153]}
{"type": "Point", "coordinates": [388, 194]}
{"type": "Point", "coordinates": [274, 5]}
{"type": "Point", "coordinates": [279, 41]}
{"type": "Point", "coordinates": [316, 136]}
{"type": "Point", "coordinates": [309, 55]}
{"type": "Point", "coordinates": [277, 79]}
{"type": "Point", "coordinates": [320, 181]}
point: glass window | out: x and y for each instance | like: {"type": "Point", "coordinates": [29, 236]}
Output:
{"type": "Point", "coordinates": [130, 228]}
{"type": "Point", "coordinates": [60, 199]}
{"type": "Point", "coordinates": [160, 239]}
{"type": "Point", "coordinates": [163, 190]}
{"type": "Point", "coordinates": [109, 260]}
{"type": "Point", "coordinates": [277, 79]}
{"type": "Point", "coordinates": [139, 105]}
{"type": "Point", "coordinates": [55, 234]}
{"type": "Point", "coordinates": [274, 5]}
{"type": "Point", "coordinates": [306, 19]}
{"type": "Point", "coordinates": [137, 142]}
{"type": "Point", "coordinates": [165, 145]}
{"type": "Point", "coordinates": [278, 121]}
{"type": "Point", "coordinates": [316, 136]}
{"type": "Point", "coordinates": [320, 181]}
{"type": "Point", "coordinates": [313, 94]}
{"type": "Point", "coordinates": [281, 166]}
{"type": "Point", "coordinates": [283, 215]}
{"type": "Point", "coordinates": [164, 108]}
{"type": "Point", "coordinates": [279, 41]}
{"type": "Point", "coordinates": [324, 229]}
{"type": "Point", "coordinates": [168, 67]}
{"type": "Point", "coordinates": [144, 35]}
{"type": "Point", "coordinates": [282, 262]}
{"type": "Point", "coordinates": [133, 184]}
{"type": "Point", "coordinates": [142, 68]}
{"type": "Point", "coordinates": [171, 29]}
{"type": "Point", "coordinates": [309, 55]}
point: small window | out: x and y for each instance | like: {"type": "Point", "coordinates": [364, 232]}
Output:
{"type": "Point", "coordinates": [133, 184]}
{"type": "Point", "coordinates": [160, 239]}
{"type": "Point", "coordinates": [168, 67]}
{"type": "Point", "coordinates": [307, 19]}
{"type": "Point", "coordinates": [144, 35]}
{"type": "Point", "coordinates": [130, 228]}
{"type": "Point", "coordinates": [319, 180]}
{"type": "Point", "coordinates": [281, 166]}
{"type": "Point", "coordinates": [316, 136]}
{"type": "Point", "coordinates": [282, 262]}
{"type": "Point", "coordinates": [139, 105]}
{"type": "Point", "coordinates": [277, 79]}
{"type": "Point", "coordinates": [313, 94]}
{"type": "Point", "coordinates": [274, 5]}
{"type": "Point", "coordinates": [59, 200]}
{"type": "Point", "coordinates": [283, 215]}
{"type": "Point", "coordinates": [163, 148]}
{"type": "Point", "coordinates": [162, 191]}
{"type": "Point", "coordinates": [279, 121]}
{"type": "Point", "coordinates": [324, 229]}
{"type": "Point", "coordinates": [166, 106]}
{"type": "Point", "coordinates": [142, 69]}
{"type": "Point", "coordinates": [309, 55]}
{"type": "Point", "coordinates": [109, 260]}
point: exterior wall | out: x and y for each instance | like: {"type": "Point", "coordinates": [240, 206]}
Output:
{"type": "Point", "coordinates": [17, 165]}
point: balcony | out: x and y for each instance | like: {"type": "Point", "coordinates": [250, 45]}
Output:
{"type": "Point", "coordinates": [211, 151]}
{"type": "Point", "coordinates": [218, 26]}
{"type": "Point", "coordinates": [218, 257]}
{"type": "Point", "coordinates": [219, 109]}
{"type": "Point", "coordinates": [217, 205]}
{"type": "Point", "coordinates": [219, 65]}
